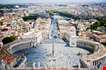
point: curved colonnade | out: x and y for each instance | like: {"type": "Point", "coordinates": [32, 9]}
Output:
{"type": "Point", "coordinates": [97, 57]}
{"type": "Point", "coordinates": [93, 59]}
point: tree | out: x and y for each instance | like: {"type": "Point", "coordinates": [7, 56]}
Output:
{"type": "Point", "coordinates": [31, 17]}
{"type": "Point", "coordinates": [100, 23]}
{"type": "Point", "coordinates": [8, 39]}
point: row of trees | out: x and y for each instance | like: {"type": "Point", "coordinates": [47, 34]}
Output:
{"type": "Point", "coordinates": [101, 22]}
{"type": "Point", "coordinates": [69, 15]}
{"type": "Point", "coordinates": [30, 17]}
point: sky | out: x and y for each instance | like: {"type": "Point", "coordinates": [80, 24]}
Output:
{"type": "Point", "coordinates": [47, 1]}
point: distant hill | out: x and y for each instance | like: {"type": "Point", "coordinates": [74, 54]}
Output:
{"type": "Point", "coordinates": [10, 6]}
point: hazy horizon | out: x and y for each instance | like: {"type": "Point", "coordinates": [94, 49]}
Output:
{"type": "Point", "coordinates": [49, 1]}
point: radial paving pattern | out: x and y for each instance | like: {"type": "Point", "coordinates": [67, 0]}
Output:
{"type": "Point", "coordinates": [63, 56]}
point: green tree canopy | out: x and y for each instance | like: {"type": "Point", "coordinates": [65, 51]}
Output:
{"type": "Point", "coordinates": [8, 39]}
{"type": "Point", "coordinates": [100, 23]}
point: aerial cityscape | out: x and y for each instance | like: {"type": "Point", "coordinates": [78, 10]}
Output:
{"type": "Point", "coordinates": [52, 35]}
